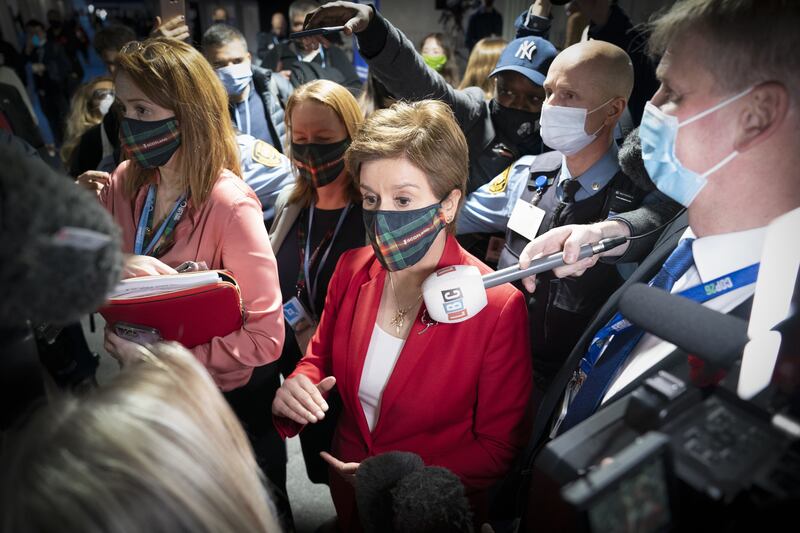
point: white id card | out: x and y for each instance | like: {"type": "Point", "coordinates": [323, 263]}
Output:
{"type": "Point", "coordinates": [526, 219]}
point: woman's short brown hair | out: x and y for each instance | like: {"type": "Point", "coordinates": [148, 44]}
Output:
{"type": "Point", "coordinates": [177, 77]}
{"type": "Point", "coordinates": [427, 134]}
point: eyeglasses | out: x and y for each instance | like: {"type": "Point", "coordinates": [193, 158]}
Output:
{"type": "Point", "coordinates": [99, 94]}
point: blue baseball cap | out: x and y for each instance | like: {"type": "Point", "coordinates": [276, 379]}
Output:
{"type": "Point", "coordinates": [530, 56]}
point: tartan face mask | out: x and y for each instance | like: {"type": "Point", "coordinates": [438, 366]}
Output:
{"type": "Point", "coordinates": [320, 164]}
{"type": "Point", "coordinates": [401, 238]}
{"type": "Point", "coordinates": [151, 143]}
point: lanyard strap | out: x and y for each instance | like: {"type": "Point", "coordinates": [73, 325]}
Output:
{"type": "Point", "coordinates": [246, 116]}
{"type": "Point", "coordinates": [699, 293]}
{"type": "Point", "coordinates": [146, 220]}
{"type": "Point", "coordinates": [306, 258]}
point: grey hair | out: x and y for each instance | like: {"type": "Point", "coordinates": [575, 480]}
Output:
{"type": "Point", "coordinates": [302, 7]}
{"type": "Point", "coordinates": [746, 42]}
{"type": "Point", "coordinates": [220, 35]}
{"type": "Point", "coordinates": [158, 449]}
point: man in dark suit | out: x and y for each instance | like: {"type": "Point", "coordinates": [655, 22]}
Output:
{"type": "Point", "coordinates": [722, 144]}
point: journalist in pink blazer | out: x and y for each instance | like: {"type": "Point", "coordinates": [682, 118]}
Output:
{"type": "Point", "coordinates": [182, 161]}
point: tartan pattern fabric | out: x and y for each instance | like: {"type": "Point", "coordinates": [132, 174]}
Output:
{"type": "Point", "coordinates": [320, 164]}
{"type": "Point", "coordinates": [151, 144]}
{"type": "Point", "coordinates": [401, 238]}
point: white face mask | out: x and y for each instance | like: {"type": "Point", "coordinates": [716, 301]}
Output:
{"type": "Point", "coordinates": [564, 128]}
{"type": "Point", "coordinates": [105, 104]}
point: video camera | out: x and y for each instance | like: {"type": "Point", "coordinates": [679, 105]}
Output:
{"type": "Point", "coordinates": [680, 454]}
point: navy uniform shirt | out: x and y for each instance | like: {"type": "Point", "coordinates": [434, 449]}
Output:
{"type": "Point", "coordinates": [488, 209]}
{"type": "Point", "coordinates": [250, 117]}
{"type": "Point", "coordinates": [266, 170]}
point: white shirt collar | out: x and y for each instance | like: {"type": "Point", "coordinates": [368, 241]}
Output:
{"type": "Point", "coordinates": [718, 255]}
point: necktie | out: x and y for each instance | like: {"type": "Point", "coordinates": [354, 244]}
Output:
{"type": "Point", "coordinates": [620, 346]}
{"type": "Point", "coordinates": [568, 189]}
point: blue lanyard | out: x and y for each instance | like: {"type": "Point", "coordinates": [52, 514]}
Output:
{"type": "Point", "coordinates": [246, 114]}
{"type": "Point", "coordinates": [312, 288]}
{"type": "Point", "coordinates": [173, 218]}
{"type": "Point", "coordinates": [699, 293]}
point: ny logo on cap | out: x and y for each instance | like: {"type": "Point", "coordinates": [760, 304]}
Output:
{"type": "Point", "coordinates": [526, 50]}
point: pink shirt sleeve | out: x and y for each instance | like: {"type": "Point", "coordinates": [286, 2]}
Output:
{"type": "Point", "coordinates": [247, 253]}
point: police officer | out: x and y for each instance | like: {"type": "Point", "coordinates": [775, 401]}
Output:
{"type": "Point", "coordinates": [256, 94]}
{"type": "Point", "coordinates": [499, 131]}
{"type": "Point", "coordinates": [587, 89]}
{"type": "Point", "coordinates": [266, 170]}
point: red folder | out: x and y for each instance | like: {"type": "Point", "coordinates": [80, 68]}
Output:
{"type": "Point", "coordinates": [190, 316]}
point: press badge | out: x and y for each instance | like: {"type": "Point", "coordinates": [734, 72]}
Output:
{"type": "Point", "coordinates": [295, 314]}
{"type": "Point", "coordinates": [526, 219]}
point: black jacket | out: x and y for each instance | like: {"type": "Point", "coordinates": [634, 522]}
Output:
{"type": "Point", "coordinates": [15, 110]}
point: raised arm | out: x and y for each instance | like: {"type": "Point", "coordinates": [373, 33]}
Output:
{"type": "Point", "coordinates": [393, 59]}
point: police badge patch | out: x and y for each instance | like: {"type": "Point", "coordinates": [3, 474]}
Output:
{"type": "Point", "coordinates": [266, 154]}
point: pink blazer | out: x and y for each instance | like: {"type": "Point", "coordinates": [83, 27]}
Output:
{"type": "Point", "coordinates": [227, 232]}
{"type": "Point", "coordinates": [458, 395]}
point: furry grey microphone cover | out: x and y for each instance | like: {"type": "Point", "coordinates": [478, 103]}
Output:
{"type": "Point", "coordinates": [431, 500]}
{"type": "Point", "coordinates": [631, 163]}
{"type": "Point", "coordinates": [396, 492]}
{"type": "Point", "coordinates": [375, 478]}
{"type": "Point", "coordinates": [43, 279]}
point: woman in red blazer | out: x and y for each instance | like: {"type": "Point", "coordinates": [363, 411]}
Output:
{"type": "Point", "coordinates": [456, 394]}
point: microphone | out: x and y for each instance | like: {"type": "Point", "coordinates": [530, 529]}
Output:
{"type": "Point", "coordinates": [631, 162]}
{"type": "Point", "coordinates": [717, 338]}
{"type": "Point", "coordinates": [458, 292]}
{"type": "Point", "coordinates": [60, 247]}
{"type": "Point", "coordinates": [395, 491]}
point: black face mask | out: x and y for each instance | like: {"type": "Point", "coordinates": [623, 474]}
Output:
{"type": "Point", "coordinates": [320, 164]}
{"type": "Point", "coordinates": [514, 125]}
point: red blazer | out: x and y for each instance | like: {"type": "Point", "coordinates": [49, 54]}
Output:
{"type": "Point", "coordinates": [458, 394]}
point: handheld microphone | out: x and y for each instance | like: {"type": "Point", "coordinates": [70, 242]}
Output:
{"type": "Point", "coordinates": [714, 337]}
{"type": "Point", "coordinates": [458, 292]}
{"type": "Point", "coordinates": [60, 247]}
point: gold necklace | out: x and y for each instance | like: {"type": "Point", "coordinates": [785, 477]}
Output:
{"type": "Point", "coordinates": [399, 318]}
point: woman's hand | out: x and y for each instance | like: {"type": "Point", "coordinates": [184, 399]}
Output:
{"type": "Point", "coordinates": [346, 470]}
{"type": "Point", "coordinates": [120, 349]}
{"type": "Point", "coordinates": [299, 399]}
{"type": "Point", "coordinates": [94, 180]}
{"type": "Point", "coordinates": [144, 265]}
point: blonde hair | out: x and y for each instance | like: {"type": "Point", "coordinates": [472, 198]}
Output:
{"type": "Point", "coordinates": [344, 104]}
{"type": "Point", "coordinates": [81, 116]}
{"type": "Point", "coordinates": [481, 63]}
{"type": "Point", "coordinates": [177, 77]}
{"type": "Point", "coordinates": [427, 134]}
{"type": "Point", "coordinates": [158, 449]}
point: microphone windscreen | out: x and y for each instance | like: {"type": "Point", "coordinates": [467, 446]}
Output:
{"type": "Point", "coordinates": [375, 478]}
{"type": "Point", "coordinates": [431, 500]}
{"type": "Point", "coordinates": [60, 248]}
{"type": "Point", "coordinates": [631, 162]}
{"type": "Point", "coordinates": [715, 337]}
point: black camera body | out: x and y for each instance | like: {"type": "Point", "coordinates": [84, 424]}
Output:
{"type": "Point", "coordinates": [670, 456]}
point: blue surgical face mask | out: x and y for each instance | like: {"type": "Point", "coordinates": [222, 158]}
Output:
{"type": "Point", "coordinates": [659, 133]}
{"type": "Point", "coordinates": [235, 77]}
